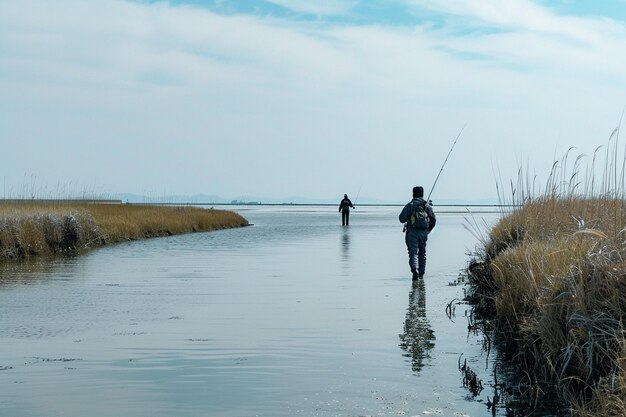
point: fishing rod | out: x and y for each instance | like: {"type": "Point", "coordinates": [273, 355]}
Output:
{"type": "Point", "coordinates": [357, 196]}
{"type": "Point", "coordinates": [440, 170]}
{"type": "Point", "coordinates": [444, 162]}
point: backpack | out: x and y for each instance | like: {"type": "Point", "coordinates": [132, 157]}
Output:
{"type": "Point", "coordinates": [419, 219]}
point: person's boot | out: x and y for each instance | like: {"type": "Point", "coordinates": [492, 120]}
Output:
{"type": "Point", "coordinates": [415, 274]}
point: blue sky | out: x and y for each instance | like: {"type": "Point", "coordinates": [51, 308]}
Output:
{"type": "Point", "coordinates": [299, 97]}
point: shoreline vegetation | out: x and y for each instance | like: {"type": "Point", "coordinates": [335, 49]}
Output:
{"type": "Point", "coordinates": [33, 228]}
{"type": "Point", "coordinates": [549, 283]}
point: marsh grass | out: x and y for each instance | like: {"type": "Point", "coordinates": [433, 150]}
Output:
{"type": "Point", "coordinates": [38, 228]}
{"type": "Point", "coordinates": [551, 275]}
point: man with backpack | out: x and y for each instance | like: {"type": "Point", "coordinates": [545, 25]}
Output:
{"type": "Point", "coordinates": [420, 220]}
{"type": "Point", "coordinates": [344, 208]}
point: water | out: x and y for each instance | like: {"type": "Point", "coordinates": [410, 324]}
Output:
{"type": "Point", "coordinates": [294, 316]}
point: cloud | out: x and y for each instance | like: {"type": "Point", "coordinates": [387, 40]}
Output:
{"type": "Point", "coordinates": [318, 7]}
{"type": "Point", "coordinates": [514, 14]}
{"type": "Point", "coordinates": [531, 36]}
{"type": "Point", "coordinates": [525, 16]}
{"type": "Point", "coordinates": [151, 46]}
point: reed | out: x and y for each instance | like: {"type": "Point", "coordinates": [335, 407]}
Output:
{"type": "Point", "coordinates": [37, 228]}
{"type": "Point", "coordinates": [551, 276]}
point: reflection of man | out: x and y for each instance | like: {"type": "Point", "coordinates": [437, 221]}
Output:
{"type": "Point", "coordinates": [418, 338]}
{"type": "Point", "coordinates": [345, 251]}
{"type": "Point", "coordinates": [344, 208]}
{"type": "Point", "coordinates": [345, 241]}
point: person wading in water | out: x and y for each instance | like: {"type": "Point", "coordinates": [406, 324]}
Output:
{"type": "Point", "coordinates": [420, 220]}
{"type": "Point", "coordinates": [344, 208]}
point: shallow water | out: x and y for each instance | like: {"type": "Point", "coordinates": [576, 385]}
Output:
{"type": "Point", "coordinates": [293, 316]}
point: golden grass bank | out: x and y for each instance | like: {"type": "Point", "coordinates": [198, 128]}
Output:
{"type": "Point", "coordinates": [41, 228]}
{"type": "Point", "coordinates": [551, 278]}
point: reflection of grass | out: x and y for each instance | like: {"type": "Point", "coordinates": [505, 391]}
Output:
{"type": "Point", "coordinates": [35, 228]}
{"type": "Point", "coordinates": [553, 274]}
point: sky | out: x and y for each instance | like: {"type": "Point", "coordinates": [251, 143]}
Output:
{"type": "Point", "coordinates": [282, 98]}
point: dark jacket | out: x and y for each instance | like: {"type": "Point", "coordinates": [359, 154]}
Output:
{"type": "Point", "coordinates": [345, 205]}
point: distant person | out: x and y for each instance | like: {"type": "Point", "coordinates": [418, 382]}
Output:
{"type": "Point", "coordinates": [344, 208]}
{"type": "Point", "coordinates": [420, 220]}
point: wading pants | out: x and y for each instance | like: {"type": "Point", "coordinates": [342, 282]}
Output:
{"type": "Point", "coordinates": [416, 245]}
{"type": "Point", "coordinates": [345, 217]}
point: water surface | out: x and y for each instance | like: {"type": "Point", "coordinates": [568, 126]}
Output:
{"type": "Point", "coordinates": [295, 315]}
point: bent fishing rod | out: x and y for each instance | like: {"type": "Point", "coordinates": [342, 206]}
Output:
{"type": "Point", "coordinates": [444, 163]}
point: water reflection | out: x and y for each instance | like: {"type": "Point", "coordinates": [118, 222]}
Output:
{"type": "Point", "coordinates": [418, 337]}
{"type": "Point", "coordinates": [345, 249]}
{"type": "Point", "coordinates": [39, 269]}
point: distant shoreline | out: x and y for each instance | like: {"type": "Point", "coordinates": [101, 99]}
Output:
{"type": "Point", "coordinates": [324, 204]}
{"type": "Point", "coordinates": [239, 203]}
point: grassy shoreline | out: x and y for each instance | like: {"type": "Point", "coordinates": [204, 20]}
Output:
{"type": "Point", "coordinates": [42, 228]}
{"type": "Point", "coordinates": [551, 279]}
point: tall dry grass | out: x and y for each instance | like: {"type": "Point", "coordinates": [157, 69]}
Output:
{"type": "Point", "coordinates": [552, 276]}
{"type": "Point", "coordinates": [38, 228]}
